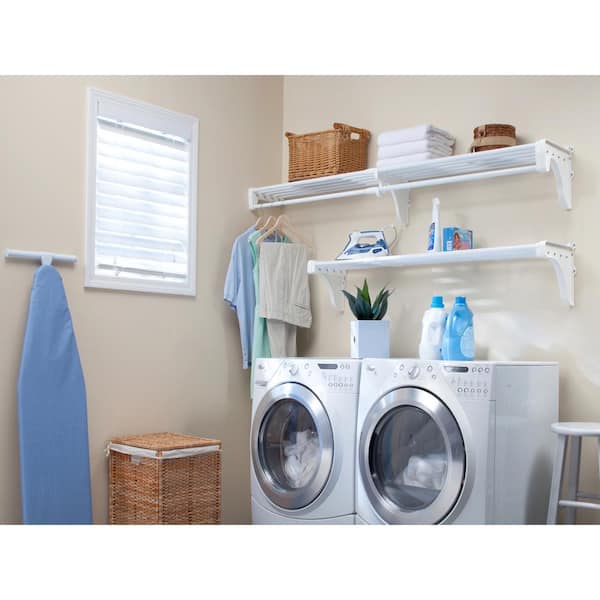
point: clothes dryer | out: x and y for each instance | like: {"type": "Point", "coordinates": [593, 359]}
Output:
{"type": "Point", "coordinates": [455, 442]}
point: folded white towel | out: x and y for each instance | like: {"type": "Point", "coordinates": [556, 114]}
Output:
{"type": "Point", "coordinates": [411, 134]}
{"type": "Point", "coordinates": [404, 160]}
{"type": "Point", "coordinates": [409, 148]}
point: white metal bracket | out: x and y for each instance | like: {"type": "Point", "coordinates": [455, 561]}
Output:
{"type": "Point", "coordinates": [336, 281]}
{"type": "Point", "coordinates": [551, 157]}
{"type": "Point", "coordinates": [563, 261]}
{"type": "Point", "coordinates": [401, 203]}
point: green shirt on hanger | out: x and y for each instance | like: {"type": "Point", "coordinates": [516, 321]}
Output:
{"type": "Point", "coordinates": [260, 343]}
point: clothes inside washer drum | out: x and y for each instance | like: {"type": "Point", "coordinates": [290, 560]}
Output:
{"type": "Point", "coordinates": [301, 459]}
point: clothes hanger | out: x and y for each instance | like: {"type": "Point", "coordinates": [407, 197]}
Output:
{"type": "Point", "coordinates": [283, 226]}
{"type": "Point", "coordinates": [286, 224]}
{"type": "Point", "coordinates": [264, 222]}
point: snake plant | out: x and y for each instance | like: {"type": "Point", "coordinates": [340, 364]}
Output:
{"type": "Point", "coordinates": [361, 306]}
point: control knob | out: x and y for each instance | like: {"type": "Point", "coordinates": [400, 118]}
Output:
{"type": "Point", "coordinates": [414, 371]}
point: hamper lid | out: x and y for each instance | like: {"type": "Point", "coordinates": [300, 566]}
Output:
{"type": "Point", "coordinates": [165, 441]}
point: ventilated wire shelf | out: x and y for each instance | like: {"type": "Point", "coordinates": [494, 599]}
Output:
{"type": "Point", "coordinates": [541, 156]}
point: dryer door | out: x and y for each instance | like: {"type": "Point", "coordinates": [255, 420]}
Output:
{"type": "Point", "coordinates": [411, 457]}
{"type": "Point", "coordinates": [292, 446]}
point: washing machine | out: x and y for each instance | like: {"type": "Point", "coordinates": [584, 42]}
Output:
{"type": "Point", "coordinates": [455, 442]}
{"type": "Point", "coordinates": [302, 440]}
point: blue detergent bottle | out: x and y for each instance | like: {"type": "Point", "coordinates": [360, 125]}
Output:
{"type": "Point", "coordinates": [458, 342]}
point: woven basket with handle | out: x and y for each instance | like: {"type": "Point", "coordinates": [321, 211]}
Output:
{"type": "Point", "coordinates": [492, 136]}
{"type": "Point", "coordinates": [339, 150]}
{"type": "Point", "coordinates": [164, 478]}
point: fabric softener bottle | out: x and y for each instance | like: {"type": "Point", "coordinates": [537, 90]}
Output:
{"type": "Point", "coordinates": [459, 342]}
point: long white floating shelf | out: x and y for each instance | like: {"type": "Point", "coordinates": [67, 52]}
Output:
{"type": "Point", "coordinates": [562, 257]}
{"type": "Point", "coordinates": [541, 156]}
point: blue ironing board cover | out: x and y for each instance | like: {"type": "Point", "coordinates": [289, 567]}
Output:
{"type": "Point", "coordinates": [53, 434]}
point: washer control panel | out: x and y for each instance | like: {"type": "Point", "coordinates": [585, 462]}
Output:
{"type": "Point", "coordinates": [338, 377]}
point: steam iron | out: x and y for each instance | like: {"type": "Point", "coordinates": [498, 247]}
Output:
{"type": "Point", "coordinates": [367, 242]}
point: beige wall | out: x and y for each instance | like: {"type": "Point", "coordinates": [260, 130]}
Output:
{"type": "Point", "coordinates": [156, 362]}
{"type": "Point", "coordinates": [151, 362]}
{"type": "Point", "coordinates": [518, 315]}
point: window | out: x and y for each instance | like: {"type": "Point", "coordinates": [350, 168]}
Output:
{"type": "Point", "coordinates": [141, 206]}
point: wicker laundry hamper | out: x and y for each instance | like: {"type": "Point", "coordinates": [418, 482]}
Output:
{"type": "Point", "coordinates": [339, 150]}
{"type": "Point", "coordinates": [164, 478]}
{"type": "Point", "coordinates": [492, 136]}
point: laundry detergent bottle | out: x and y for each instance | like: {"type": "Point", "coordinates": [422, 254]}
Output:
{"type": "Point", "coordinates": [434, 325]}
{"type": "Point", "coordinates": [458, 342]}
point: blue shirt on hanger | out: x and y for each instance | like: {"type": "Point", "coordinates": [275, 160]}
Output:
{"type": "Point", "coordinates": [240, 293]}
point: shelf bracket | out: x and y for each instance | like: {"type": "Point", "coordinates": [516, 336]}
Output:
{"type": "Point", "coordinates": [401, 200]}
{"type": "Point", "coordinates": [563, 261]}
{"type": "Point", "coordinates": [550, 157]}
{"type": "Point", "coordinates": [336, 281]}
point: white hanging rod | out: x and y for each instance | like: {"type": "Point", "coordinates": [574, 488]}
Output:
{"type": "Point", "coordinates": [46, 258]}
{"type": "Point", "coordinates": [331, 196]}
{"type": "Point", "coordinates": [381, 189]}
{"type": "Point", "coordinates": [456, 178]}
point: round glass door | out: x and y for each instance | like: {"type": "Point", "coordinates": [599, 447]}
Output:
{"type": "Point", "coordinates": [292, 446]}
{"type": "Point", "coordinates": [412, 457]}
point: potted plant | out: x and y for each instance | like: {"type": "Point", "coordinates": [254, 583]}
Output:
{"type": "Point", "coordinates": [369, 334]}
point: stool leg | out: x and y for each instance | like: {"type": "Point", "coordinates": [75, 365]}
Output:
{"type": "Point", "coordinates": [598, 440]}
{"type": "Point", "coordinates": [573, 477]}
{"type": "Point", "coordinates": [559, 459]}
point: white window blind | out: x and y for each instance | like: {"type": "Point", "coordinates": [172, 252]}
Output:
{"type": "Point", "coordinates": [141, 224]}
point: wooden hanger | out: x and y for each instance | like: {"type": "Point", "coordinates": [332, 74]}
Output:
{"type": "Point", "coordinates": [263, 222]}
{"type": "Point", "coordinates": [283, 226]}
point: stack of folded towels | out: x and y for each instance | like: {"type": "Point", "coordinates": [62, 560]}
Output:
{"type": "Point", "coordinates": [414, 144]}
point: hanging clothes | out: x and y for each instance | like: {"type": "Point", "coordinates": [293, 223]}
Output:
{"type": "Point", "coordinates": [240, 292]}
{"type": "Point", "coordinates": [260, 346]}
{"type": "Point", "coordinates": [284, 296]}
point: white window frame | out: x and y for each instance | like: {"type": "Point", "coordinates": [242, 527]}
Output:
{"type": "Point", "coordinates": [153, 117]}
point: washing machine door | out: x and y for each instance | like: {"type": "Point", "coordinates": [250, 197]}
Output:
{"type": "Point", "coordinates": [292, 446]}
{"type": "Point", "coordinates": [411, 457]}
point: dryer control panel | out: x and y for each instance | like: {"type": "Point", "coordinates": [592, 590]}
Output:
{"type": "Point", "coordinates": [468, 381]}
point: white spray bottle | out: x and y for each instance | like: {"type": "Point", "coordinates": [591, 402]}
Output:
{"type": "Point", "coordinates": [434, 243]}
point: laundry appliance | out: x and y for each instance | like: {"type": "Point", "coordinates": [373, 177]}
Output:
{"type": "Point", "coordinates": [455, 442]}
{"type": "Point", "coordinates": [302, 440]}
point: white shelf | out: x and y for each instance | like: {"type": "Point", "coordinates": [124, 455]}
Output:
{"type": "Point", "coordinates": [542, 156]}
{"type": "Point", "coordinates": [314, 190]}
{"type": "Point", "coordinates": [561, 256]}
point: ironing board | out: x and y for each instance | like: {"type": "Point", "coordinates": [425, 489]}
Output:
{"type": "Point", "coordinates": [53, 435]}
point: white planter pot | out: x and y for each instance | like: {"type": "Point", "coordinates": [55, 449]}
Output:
{"type": "Point", "coordinates": [370, 339]}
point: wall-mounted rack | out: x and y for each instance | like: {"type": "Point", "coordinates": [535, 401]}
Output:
{"type": "Point", "coordinates": [541, 156]}
{"type": "Point", "coordinates": [46, 258]}
{"type": "Point", "coordinates": [561, 256]}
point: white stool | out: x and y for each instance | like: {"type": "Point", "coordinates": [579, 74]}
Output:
{"type": "Point", "coordinates": [574, 431]}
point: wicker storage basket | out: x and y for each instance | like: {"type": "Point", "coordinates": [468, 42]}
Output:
{"type": "Point", "coordinates": [164, 478]}
{"type": "Point", "coordinates": [492, 136]}
{"type": "Point", "coordinates": [338, 150]}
